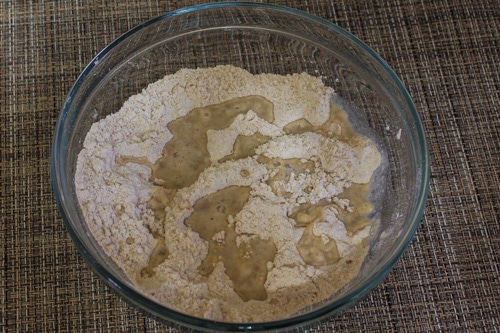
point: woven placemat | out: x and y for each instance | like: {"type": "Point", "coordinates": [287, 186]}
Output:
{"type": "Point", "coordinates": [446, 53]}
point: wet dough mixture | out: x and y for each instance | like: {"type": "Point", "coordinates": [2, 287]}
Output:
{"type": "Point", "coordinates": [230, 196]}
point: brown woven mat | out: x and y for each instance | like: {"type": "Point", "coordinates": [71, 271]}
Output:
{"type": "Point", "coordinates": [446, 52]}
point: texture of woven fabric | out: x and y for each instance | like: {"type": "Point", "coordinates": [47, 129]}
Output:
{"type": "Point", "coordinates": [447, 53]}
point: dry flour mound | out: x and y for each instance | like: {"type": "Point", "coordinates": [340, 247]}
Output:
{"type": "Point", "coordinates": [270, 186]}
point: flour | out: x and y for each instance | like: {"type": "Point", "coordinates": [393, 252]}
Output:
{"type": "Point", "coordinates": [295, 183]}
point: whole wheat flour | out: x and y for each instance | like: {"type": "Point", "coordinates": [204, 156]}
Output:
{"type": "Point", "coordinates": [227, 195]}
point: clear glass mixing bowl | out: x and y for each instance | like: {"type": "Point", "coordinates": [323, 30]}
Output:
{"type": "Point", "coordinates": [262, 39]}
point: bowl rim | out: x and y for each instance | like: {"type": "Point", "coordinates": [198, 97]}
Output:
{"type": "Point", "coordinates": [172, 316]}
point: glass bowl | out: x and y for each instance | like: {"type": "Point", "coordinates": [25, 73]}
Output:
{"type": "Point", "coordinates": [260, 38]}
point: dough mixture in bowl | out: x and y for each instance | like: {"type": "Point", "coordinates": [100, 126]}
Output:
{"type": "Point", "coordinates": [230, 196]}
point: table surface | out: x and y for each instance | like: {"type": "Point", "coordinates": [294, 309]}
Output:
{"type": "Point", "coordinates": [447, 53]}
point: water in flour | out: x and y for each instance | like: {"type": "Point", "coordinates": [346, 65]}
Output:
{"type": "Point", "coordinates": [230, 196]}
